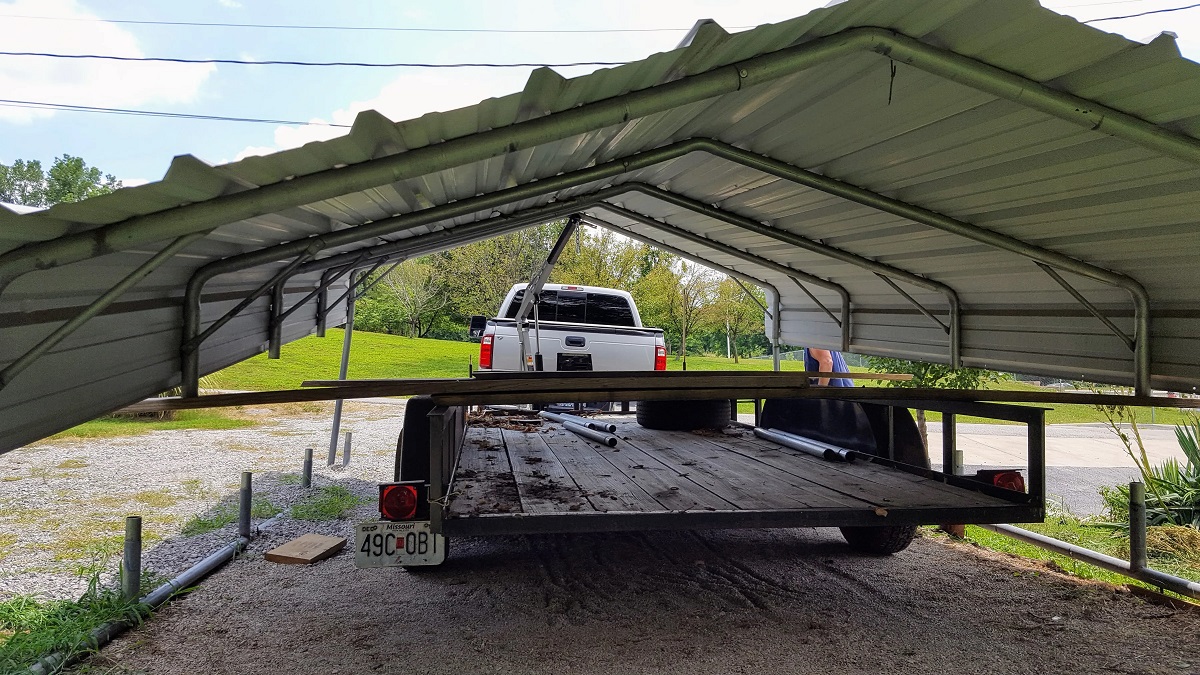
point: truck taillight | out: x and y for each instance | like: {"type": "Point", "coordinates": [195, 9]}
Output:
{"type": "Point", "coordinates": [485, 351]}
{"type": "Point", "coordinates": [660, 357]}
{"type": "Point", "coordinates": [398, 502]}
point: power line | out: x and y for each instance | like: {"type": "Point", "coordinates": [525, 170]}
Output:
{"type": "Point", "coordinates": [67, 107]}
{"type": "Point", "coordinates": [351, 64]}
{"type": "Point", "coordinates": [1146, 13]}
{"type": "Point", "coordinates": [393, 29]}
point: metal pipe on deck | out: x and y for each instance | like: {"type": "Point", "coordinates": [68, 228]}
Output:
{"type": "Point", "coordinates": [591, 424]}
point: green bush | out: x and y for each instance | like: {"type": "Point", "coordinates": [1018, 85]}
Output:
{"type": "Point", "coordinates": [1172, 489]}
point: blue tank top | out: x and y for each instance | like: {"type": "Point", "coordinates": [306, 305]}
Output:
{"type": "Point", "coordinates": [839, 366]}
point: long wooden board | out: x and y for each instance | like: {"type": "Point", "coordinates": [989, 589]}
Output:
{"type": "Point", "coordinates": [553, 389]}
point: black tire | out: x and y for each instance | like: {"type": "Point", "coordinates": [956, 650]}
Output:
{"type": "Point", "coordinates": [909, 450]}
{"type": "Point", "coordinates": [880, 540]}
{"type": "Point", "coordinates": [683, 415]}
{"type": "Point", "coordinates": [413, 447]}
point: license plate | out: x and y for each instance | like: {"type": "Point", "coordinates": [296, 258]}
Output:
{"type": "Point", "coordinates": [395, 544]}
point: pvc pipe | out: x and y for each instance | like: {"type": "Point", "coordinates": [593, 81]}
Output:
{"type": "Point", "coordinates": [591, 434]}
{"type": "Point", "coordinates": [1162, 580]}
{"type": "Point", "coordinates": [591, 424]}
{"type": "Point", "coordinates": [826, 452]}
{"type": "Point", "coordinates": [306, 472]}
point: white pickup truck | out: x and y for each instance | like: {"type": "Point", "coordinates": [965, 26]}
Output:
{"type": "Point", "coordinates": [577, 328]}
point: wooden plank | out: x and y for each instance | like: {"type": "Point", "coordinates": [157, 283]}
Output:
{"type": "Point", "coordinates": [518, 376]}
{"type": "Point", "coordinates": [483, 482]}
{"type": "Point", "coordinates": [886, 487]}
{"type": "Point", "coordinates": [552, 390]}
{"type": "Point", "coordinates": [745, 482]}
{"type": "Point", "coordinates": [542, 482]}
{"type": "Point", "coordinates": [606, 488]}
{"type": "Point", "coordinates": [306, 549]}
{"type": "Point", "coordinates": [674, 492]}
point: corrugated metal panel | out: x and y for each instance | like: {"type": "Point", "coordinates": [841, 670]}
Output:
{"type": "Point", "coordinates": [924, 139]}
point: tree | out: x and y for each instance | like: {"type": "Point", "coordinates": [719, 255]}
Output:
{"type": "Point", "coordinates": [932, 376]}
{"type": "Point", "coordinates": [736, 312]}
{"type": "Point", "coordinates": [600, 258]}
{"type": "Point", "coordinates": [478, 276]}
{"type": "Point", "coordinates": [419, 294]}
{"type": "Point", "coordinates": [675, 297]}
{"type": "Point", "coordinates": [69, 179]}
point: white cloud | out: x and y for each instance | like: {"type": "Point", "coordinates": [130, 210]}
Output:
{"type": "Point", "coordinates": [407, 97]}
{"type": "Point", "coordinates": [83, 82]}
{"type": "Point", "coordinates": [133, 182]}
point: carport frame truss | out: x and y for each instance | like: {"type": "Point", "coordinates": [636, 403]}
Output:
{"type": "Point", "coordinates": [617, 110]}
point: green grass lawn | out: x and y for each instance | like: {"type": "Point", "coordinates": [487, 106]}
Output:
{"type": "Point", "coordinates": [111, 427]}
{"type": "Point", "coordinates": [375, 355]}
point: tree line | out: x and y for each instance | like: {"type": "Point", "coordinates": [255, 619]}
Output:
{"type": "Point", "coordinates": [699, 310]}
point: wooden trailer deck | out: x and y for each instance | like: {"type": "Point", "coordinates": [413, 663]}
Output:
{"type": "Point", "coordinates": [546, 479]}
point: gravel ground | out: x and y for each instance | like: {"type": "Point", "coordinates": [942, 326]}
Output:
{"type": "Point", "coordinates": [65, 502]}
{"type": "Point", "coordinates": [761, 601]}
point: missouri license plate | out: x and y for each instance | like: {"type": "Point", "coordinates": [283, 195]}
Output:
{"type": "Point", "coordinates": [398, 544]}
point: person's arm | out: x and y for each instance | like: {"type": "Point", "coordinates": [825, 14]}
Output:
{"type": "Point", "coordinates": [825, 362]}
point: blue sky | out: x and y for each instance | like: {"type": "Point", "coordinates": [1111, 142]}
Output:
{"type": "Point", "coordinates": [140, 148]}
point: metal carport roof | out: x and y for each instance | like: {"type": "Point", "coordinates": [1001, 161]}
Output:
{"type": "Point", "coordinates": [977, 181]}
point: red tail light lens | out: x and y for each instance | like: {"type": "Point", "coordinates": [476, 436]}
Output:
{"type": "Point", "coordinates": [1009, 480]}
{"type": "Point", "coordinates": [485, 351]}
{"type": "Point", "coordinates": [398, 502]}
{"type": "Point", "coordinates": [660, 358]}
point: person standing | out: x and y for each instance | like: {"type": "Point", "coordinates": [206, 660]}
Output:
{"type": "Point", "coordinates": [827, 361]}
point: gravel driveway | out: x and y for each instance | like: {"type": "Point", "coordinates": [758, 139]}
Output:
{"type": "Point", "coordinates": [761, 601]}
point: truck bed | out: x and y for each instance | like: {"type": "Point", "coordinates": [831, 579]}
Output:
{"type": "Point", "coordinates": [541, 478]}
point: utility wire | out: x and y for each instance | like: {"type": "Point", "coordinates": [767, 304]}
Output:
{"type": "Point", "coordinates": [40, 105]}
{"type": "Point", "coordinates": [1146, 13]}
{"type": "Point", "coordinates": [351, 64]}
{"type": "Point", "coordinates": [393, 29]}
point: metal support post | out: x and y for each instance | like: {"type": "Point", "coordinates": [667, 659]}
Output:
{"type": "Point", "coordinates": [342, 369]}
{"type": "Point", "coordinates": [1037, 455]}
{"type": "Point", "coordinates": [1137, 527]}
{"type": "Point", "coordinates": [438, 447]}
{"type": "Point", "coordinates": [534, 289]}
{"type": "Point", "coordinates": [758, 412]}
{"type": "Point", "coordinates": [306, 472]}
{"type": "Point", "coordinates": [275, 322]}
{"type": "Point", "coordinates": [346, 449]}
{"type": "Point", "coordinates": [775, 332]}
{"type": "Point", "coordinates": [949, 443]}
{"type": "Point", "coordinates": [891, 424]}
{"type": "Point", "coordinates": [244, 496]}
{"type": "Point", "coordinates": [131, 571]}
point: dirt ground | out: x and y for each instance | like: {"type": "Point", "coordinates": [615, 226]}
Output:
{"type": "Point", "coordinates": [757, 601]}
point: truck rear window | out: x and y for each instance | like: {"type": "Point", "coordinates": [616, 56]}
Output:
{"type": "Point", "coordinates": [578, 307]}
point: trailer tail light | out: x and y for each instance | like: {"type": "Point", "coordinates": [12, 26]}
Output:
{"type": "Point", "coordinates": [485, 351]}
{"type": "Point", "coordinates": [1009, 479]}
{"type": "Point", "coordinates": [660, 357]}
{"type": "Point", "coordinates": [399, 501]}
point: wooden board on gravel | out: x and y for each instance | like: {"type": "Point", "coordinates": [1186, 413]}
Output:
{"type": "Point", "coordinates": [306, 549]}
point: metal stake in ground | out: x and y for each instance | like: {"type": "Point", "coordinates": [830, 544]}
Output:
{"type": "Point", "coordinates": [346, 450]}
{"type": "Point", "coordinates": [131, 572]}
{"type": "Point", "coordinates": [1137, 526]}
{"type": "Point", "coordinates": [244, 497]}
{"type": "Point", "coordinates": [306, 473]}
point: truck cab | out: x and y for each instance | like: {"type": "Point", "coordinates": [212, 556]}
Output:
{"type": "Point", "coordinates": [574, 328]}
